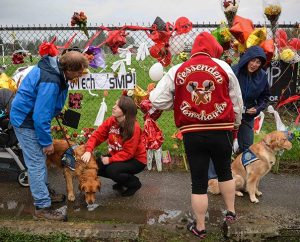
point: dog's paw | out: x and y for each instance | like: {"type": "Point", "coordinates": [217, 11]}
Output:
{"type": "Point", "coordinates": [254, 200]}
{"type": "Point", "coordinates": [258, 193]}
{"type": "Point", "coordinates": [239, 194]}
{"type": "Point", "coordinates": [71, 197]}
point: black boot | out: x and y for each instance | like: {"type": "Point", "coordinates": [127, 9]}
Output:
{"type": "Point", "coordinates": [132, 187]}
{"type": "Point", "coordinates": [118, 187]}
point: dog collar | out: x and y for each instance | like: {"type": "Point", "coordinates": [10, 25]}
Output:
{"type": "Point", "coordinates": [266, 145]}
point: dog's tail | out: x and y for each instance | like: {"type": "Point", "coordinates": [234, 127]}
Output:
{"type": "Point", "coordinates": [213, 186]}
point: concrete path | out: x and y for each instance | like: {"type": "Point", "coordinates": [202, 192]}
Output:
{"type": "Point", "coordinates": [163, 200]}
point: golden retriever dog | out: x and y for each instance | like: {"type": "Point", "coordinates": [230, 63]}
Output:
{"type": "Point", "coordinates": [86, 173]}
{"type": "Point", "coordinates": [247, 178]}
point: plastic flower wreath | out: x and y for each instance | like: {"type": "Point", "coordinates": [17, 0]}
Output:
{"type": "Point", "coordinates": [80, 19]}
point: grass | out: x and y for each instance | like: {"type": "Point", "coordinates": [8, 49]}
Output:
{"type": "Point", "coordinates": [10, 236]}
{"type": "Point", "coordinates": [269, 126]}
{"type": "Point", "coordinates": [90, 106]}
{"type": "Point", "coordinates": [147, 234]}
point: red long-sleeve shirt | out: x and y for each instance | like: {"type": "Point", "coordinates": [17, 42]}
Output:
{"type": "Point", "coordinates": [119, 150]}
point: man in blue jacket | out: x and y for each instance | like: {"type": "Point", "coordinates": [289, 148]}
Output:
{"type": "Point", "coordinates": [255, 91]}
{"type": "Point", "coordinates": [41, 97]}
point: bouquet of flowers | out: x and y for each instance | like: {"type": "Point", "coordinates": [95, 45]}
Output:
{"type": "Point", "coordinates": [272, 11]}
{"type": "Point", "coordinates": [80, 19]}
{"type": "Point", "coordinates": [230, 8]}
{"type": "Point", "coordinates": [95, 56]}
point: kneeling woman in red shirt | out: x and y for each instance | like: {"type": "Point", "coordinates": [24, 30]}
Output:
{"type": "Point", "coordinates": [127, 152]}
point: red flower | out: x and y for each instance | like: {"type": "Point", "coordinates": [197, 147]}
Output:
{"type": "Point", "coordinates": [17, 58]}
{"type": "Point", "coordinates": [80, 19]}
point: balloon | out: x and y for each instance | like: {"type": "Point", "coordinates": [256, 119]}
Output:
{"type": "Point", "coordinates": [156, 72]}
{"type": "Point", "coordinates": [183, 25]}
{"type": "Point", "coordinates": [241, 28]}
{"type": "Point", "coordinates": [256, 37]}
{"type": "Point", "coordinates": [177, 44]}
{"type": "Point", "coordinates": [281, 38]}
{"type": "Point", "coordinates": [295, 43]}
{"type": "Point", "coordinates": [269, 49]}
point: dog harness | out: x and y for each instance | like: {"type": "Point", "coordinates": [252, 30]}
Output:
{"type": "Point", "coordinates": [290, 136]}
{"type": "Point", "coordinates": [248, 157]}
{"type": "Point", "coordinates": [68, 158]}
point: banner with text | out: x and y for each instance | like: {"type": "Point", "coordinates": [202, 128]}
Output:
{"type": "Point", "coordinates": [104, 81]}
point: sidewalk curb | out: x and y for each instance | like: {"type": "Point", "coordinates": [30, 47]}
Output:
{"type": "Point", "coordinates": [243, 231]}
{"type": "Point", "coordinates": [75, 229]}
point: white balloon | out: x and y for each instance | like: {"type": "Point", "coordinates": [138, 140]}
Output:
{"type": "Point", "coordinates": [156, 72]}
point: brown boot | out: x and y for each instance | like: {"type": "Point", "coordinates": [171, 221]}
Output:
{"type": "Point", "coordinates": [56, 197]}
{"type": "Point", "coordinates": [49, 214]}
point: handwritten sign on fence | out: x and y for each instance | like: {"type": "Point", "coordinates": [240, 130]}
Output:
{"type": "Point", "coordinates": [282, 79]}
{"type": "Point", "coordinates": [104, 81]}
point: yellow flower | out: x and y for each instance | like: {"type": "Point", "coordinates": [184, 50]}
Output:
{"type": "Point", "coordinates": [272, 10]}
{"type": "Point", "coordinates": [287, 55]}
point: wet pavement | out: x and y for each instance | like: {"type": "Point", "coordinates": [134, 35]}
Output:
{"type": "Point", "coordinates": [164, 199]}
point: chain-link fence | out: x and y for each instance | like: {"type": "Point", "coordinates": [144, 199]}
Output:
{"type": "Point", "coordinates": [29, 38]}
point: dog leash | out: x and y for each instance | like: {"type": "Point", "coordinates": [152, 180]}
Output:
{"type": "Point", "coordinates": [64, 134]}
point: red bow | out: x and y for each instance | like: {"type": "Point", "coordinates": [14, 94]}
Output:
{"type": "Point", "coordinates": [48, 48]}
{"type": "Point", "coordinates": [115, 39]}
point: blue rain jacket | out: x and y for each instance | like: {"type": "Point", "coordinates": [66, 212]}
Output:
{"type": "Point", "coordinates": [255, 87]}
{"type": "Point", "coordinates": [40, 97]}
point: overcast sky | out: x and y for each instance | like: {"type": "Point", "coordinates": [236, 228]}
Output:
{"type": "Point", "coordinates": [113, 12]}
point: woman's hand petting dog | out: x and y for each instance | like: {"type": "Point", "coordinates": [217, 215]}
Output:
{"type": "Point", "coordinates": [105, 160]}
{"type": "Point", "coordinates": [86, 156]}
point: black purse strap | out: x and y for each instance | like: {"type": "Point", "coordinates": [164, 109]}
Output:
{"type": "Point", "coordinates": [63, 131]}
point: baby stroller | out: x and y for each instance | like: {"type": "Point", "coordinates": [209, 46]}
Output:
{"type": "Point", "coordinates": [11, 157]}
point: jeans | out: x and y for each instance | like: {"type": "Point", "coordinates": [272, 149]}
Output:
{"type": "Point", "coordinates": [245, 135]}
{"type": "Point", "coordinates": [35, 160]}
{"type": "Point", "coordinates": [212, 171]}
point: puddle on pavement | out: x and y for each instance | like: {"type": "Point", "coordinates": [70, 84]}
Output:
{"type": "Point", "coordinates": [121, 214]}
{"type": "Point", "coordinates": [13, 209]}
{"type": "Point", "coordinates": [16, 203]}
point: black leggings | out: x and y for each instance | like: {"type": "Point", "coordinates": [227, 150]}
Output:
{"type": "Point", "coordinates": [122, 172]}
{"type": "Point", "coordinates": [200, 147]}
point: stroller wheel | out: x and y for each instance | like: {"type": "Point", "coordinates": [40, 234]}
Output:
{"type": "Point", "coordinates": [23, 179]}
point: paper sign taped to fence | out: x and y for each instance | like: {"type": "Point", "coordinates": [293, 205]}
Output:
{"type": "Point", "coordinates": [104, 81]}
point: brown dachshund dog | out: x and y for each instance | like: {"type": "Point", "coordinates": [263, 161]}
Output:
{"type": "Point", "coordinates": [247, 178]}
{"type": "Point", "coordinates": [86, 173]}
